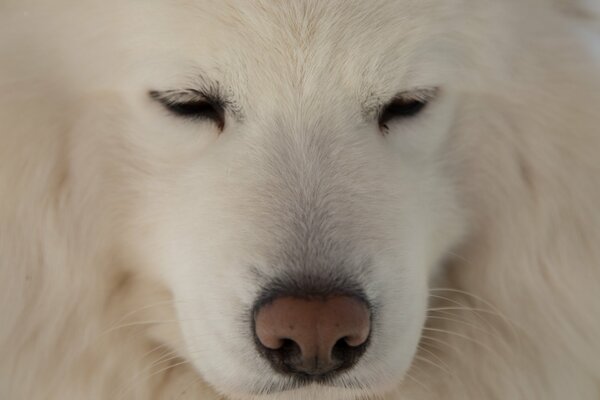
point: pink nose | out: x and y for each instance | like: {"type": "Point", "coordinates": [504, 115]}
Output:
{"type": "Point", "coordinates": [313, 336]}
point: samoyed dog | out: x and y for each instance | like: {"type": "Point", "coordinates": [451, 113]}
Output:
{"type": "Point", "coordinates": [311, 199]}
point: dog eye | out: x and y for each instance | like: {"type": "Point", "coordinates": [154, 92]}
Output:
{"type": "Point", "coordinates": [192, 105]}
{"type": "Point", "coordinates": [405, 105]}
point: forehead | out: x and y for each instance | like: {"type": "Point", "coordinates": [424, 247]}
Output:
{"type": "Point", "coordinates": [302, 46]}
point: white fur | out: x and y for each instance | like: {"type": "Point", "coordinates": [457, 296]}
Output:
{"type": "Point", "coordinates": [131, 240]}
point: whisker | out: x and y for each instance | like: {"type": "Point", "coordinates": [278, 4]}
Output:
{"type": "Point", "coordinates": [485, 302]}
{"type": "Point", "coordinates": [439, 341]}
{"type": "Point", "coordinates": [132, 385]}
{"type": "Point", "coordinates": [138, 377]}
{"type": "Point", "coordinates": [495, 335]}
{"type": "Point", "coordinates": [418, 382]}
{"type": "Point", "coordinates": [432, 363]}
{"type": "Point", "coordinates": [436, 357]}
{"type": "Point", "coordinates": [468, 307]}
{"type": "Point", "coordinates": [473, 309]}
{"type": "Point", "coordinates": [459, 335]}
{"type": "Point", "coordinates": [144, 308]}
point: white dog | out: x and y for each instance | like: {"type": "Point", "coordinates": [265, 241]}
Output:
{"type": "Point", "coordinates": [312, 199]}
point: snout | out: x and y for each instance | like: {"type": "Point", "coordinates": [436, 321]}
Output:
{"type": "Point", "coordinates": [312, 337]}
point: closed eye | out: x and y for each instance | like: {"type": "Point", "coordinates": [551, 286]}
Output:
{"type": "Point", "coordinates": [405, 105]}
{"type": "Point", "coordinates": [192, 104]}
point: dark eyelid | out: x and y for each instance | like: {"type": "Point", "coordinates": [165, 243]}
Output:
{"type": "Point", "coordinates": [192, 104]}
{"type": "Point", "coordinates": [177, 96]}
{"type": "Point", "coordinates": [406, 105]}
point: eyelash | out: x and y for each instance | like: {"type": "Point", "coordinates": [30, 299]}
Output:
{"type": "Point", "coordinates": [192, 104]}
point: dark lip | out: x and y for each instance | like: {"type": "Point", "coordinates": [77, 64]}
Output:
{"type": "Point", "coordinates": [298, 383]}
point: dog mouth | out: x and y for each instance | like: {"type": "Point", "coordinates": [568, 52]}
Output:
{"type": "Point", "coordinates": [300, 382]}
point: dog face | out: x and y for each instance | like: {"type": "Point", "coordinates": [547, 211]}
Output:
{"type": "Point", "coordinates": [295, 151]}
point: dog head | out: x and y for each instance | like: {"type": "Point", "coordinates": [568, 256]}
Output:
{"type": "Point", "coordinates": [288, 179]}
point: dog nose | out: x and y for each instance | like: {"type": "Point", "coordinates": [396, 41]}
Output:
{"type": "Point", "coordinates": [313, 337]}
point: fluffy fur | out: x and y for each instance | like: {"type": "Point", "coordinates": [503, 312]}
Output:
{"type": "Point", "coordinates": [133, 243]}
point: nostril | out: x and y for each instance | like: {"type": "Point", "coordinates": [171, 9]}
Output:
{"type": "Point", "coordinates": [285, 357]}
{"type": "Point", "coordinates": [345, 349]}
{"type": "Point", "coordinates": [288, 349]}
{"type": "Point", "coordinates": [344, 343]}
